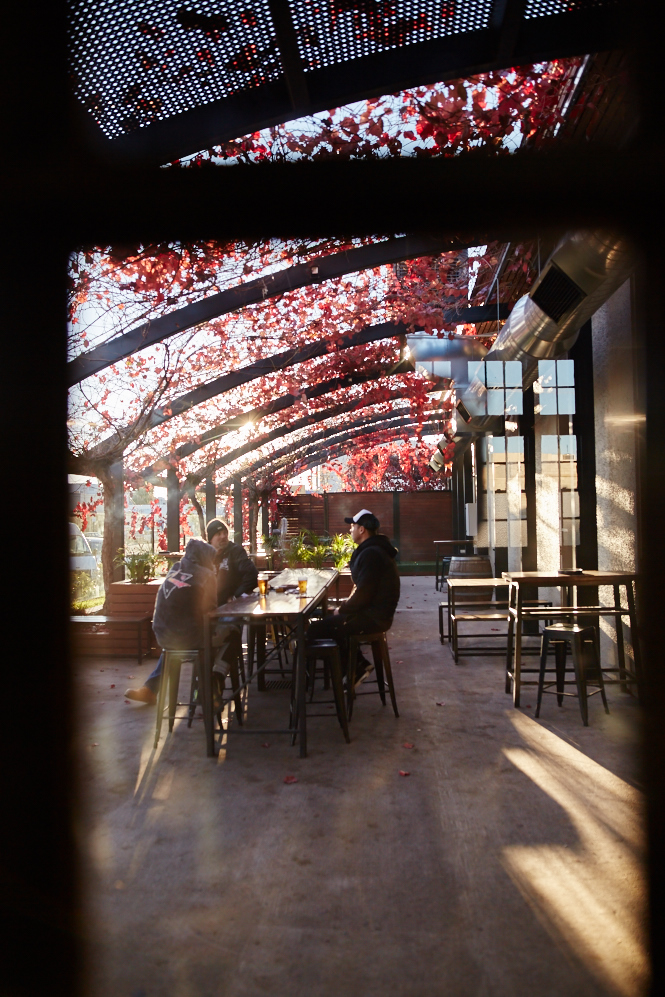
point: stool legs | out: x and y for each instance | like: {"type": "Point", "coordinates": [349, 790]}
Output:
{"type": "Point", "coordinates": [171, 679]}
{"type": "Point", "coordinates": [583, 651]}
{"type": "Point", "coordinates": [381, 657]}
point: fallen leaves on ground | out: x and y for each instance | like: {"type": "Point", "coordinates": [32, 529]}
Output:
{"type": "Point", "coordinates": [290, 779]}
{"type": "Point", "coordinates": [399, 662]}
{"type": "Point", "coordinates": [407, 744]}
{"type": "Point", "coordinates": [440, 704]}
{"type": "Point", "coordinates": [402, 772]}
{"type": "Point", "coordinates": [265, 744]}
{"type": "Point", "coordinates": [112, 686]}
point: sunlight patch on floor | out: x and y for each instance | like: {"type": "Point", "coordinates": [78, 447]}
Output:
{"type": "Point", "coordinates": [592, 897]}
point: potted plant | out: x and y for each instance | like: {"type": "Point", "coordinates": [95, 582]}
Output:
{"type": "Point", "coordinates": [270, 545]}
{"type": "Point", "coordinates": [341, 547]}
{"type": "Point", "coordinates": [298, 552]}
{"type": "Point", "coordinates": [140, 566]}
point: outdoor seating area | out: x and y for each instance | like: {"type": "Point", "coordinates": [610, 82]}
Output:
{"type": "Point", "coordinates": [339, 347]}
{"type": "Point", "coordinates": [284, 862]}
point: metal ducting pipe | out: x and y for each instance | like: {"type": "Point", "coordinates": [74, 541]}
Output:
{"type": "Point", "coordinates": [580, 275]}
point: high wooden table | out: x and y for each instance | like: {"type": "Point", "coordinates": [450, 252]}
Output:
{"type": "Point", "coordinates": [284, 607]}
{"type": "Point", "coordinates": [569, 584]}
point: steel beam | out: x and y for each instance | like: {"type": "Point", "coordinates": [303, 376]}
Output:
{"type": "Point", "coordinates": [315, 271]}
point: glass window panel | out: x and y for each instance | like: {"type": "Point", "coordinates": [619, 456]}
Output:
{"type": "Point", "coordinates": [515, 533]}
{"type": "Point", "coordinates": [498, 444]}
{"type": "Point", "coordinates": [566, 401]}
{"type": "Point", "coordinates": [494, 373]}
{"type": "Point", "coordinates": [500, 477]}
{"type": "Point", "coordinates": [513, 374]}
{"type": "Point", "coordinates": [570, 532]}
{"type": "Point", "coordinates": [547, 373]}
{"type": "Point", "coordinates": [570, 505]}
{"type": "Point", "coordinates": [568, 445]}
{"type": "Point", "coordinates": [495, 401]}
{"type": "Point", "coordinates": [424, 368]}
{"type": "Point", "coordinates": [501, 534]}
{"type": "Point", "coordinates": [515, 444]}
{"type": "Point", "coordinates": [476, 370]}
{"type": "Point", "coordinates": [441, 368]}
{"type": "Point", "coordinates": [514, 401]}
{"type": "Point", "coordinates": [501, 506]}
{"type": "Point", "coordinates": [549, 447]}
{"type": "Point", "coordinates": [548, 401]}
{"type": "Point", "coordinates": [565, 373]}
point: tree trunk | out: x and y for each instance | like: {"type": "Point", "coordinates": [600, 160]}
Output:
{"type": "Point", "coordinates": [113, 500]}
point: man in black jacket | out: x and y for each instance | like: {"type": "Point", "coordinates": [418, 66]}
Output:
{"type": "Point", "coordinates": [236, 574]}
{"type": "Point", "coordinates": [371, 606]}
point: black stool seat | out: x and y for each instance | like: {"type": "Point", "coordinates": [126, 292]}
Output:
{"type": "Point", "coordinates": [583, 643]}
{"type": "Point", "coordinates": [327, 651]}
{"type": "Point", "coordinates": [384, 674]}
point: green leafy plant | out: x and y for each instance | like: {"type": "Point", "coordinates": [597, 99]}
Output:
{"type": "Point", "coordinates": [270, 545]}
{"type": "Point", "coordinates": [140, 566]}
{"type": "Point", "coordinates": [299, 550]}
{"type": "Point", "coordinates": [341, 547]}
{"type": "Point", "coordinates": [318, 554]}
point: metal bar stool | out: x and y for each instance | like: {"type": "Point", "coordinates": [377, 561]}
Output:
{"type": "Point", "coordinates": [171, 677]}
{"type": "Point", "coordinates": [584, 646]}
{"type": "Point", "coordinates": [384, 674]}
{"type": "Point", "coordinates": [327, 652]}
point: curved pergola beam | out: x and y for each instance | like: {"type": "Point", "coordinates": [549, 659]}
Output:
{"type": "Point", "coordinates": [308, 420]}
{"type": "Point", "coordinates": [371, 425]}
{"type": "Point", "coordinates": [279, 405]}
{"type": "Point", "coordinates": [235, 378]}
{"type": "Point", "coordinates": [315, 271]}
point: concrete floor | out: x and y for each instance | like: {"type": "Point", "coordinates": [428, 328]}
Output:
{"type": "Point", "coordinates": [508, 862]}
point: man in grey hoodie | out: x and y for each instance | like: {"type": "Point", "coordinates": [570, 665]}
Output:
{"type": "Point", "coordinates": [186, 594]}
{"type": "Point", "coordinates": [371, 606]}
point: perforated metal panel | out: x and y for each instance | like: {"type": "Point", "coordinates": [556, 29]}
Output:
{"type": "Point", "coordinates": [334, 31]}
{"type": "Point", "coordinates": [138, 61]}
{"type": "Point", "coordinates": [541, 8]}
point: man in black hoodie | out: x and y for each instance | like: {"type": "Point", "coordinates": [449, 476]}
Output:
{"type": "Point", "coordinates": [371, 606]}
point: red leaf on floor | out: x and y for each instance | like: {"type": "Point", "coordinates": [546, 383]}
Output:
{"type": "Point", "coordinates": [95, 744]}
{"type": "Point", "coordinates": [407, 745]}
{"type": "Point", "coordinates": [528, 706]}
{"type": "Point", "coordinates": [102, 669]}
{"type": "Point", "coordinates": [402, 772]}
{"type": "Point", "coordinates": [409, 607]}
{"type": "Point", "coordinates": [495, 628]}
{"type": "Point", "coordinates": [131, 676]}
{"type": "Point", "coordinates": [127, 701]}
{"type": "Point", "coordinates": [399, 662]}
{"type": "Point", "coordinates": [112, 686]}
{"type": "Point", "coordinates": [290, 779]}
{"type": "Point", "coordinates": [265, 745]}
{"type": "Point", "coordinates": [440, 704]}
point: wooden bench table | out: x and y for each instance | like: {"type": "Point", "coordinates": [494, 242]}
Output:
{"type": "Point", "coordinates": [103, 624]}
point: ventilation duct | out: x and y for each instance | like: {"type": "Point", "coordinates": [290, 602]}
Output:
{"type": "Point", "coordinates": [580, 275]}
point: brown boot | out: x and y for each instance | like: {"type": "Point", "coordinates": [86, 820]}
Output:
{"type": "Point", "coordinates": [142, 695]}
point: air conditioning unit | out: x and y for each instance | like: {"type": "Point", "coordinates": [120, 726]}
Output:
{"type": "Point", "coordinates": [471, 518]}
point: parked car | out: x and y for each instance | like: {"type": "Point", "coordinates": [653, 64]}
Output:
{"type": "Point", "coordinates": [85, 572]}
{"type": "Point", "coordinates": [95, 541]}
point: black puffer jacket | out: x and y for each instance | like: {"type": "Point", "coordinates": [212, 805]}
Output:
{"type": "Point", "coordinates": [376, 581]}
{"type": "Point", "coordinates": [188, 591]}
{"type": "Point", "coordinates": [236, 574]}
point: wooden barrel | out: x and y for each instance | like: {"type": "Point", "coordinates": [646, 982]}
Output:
{"type": "Point", "coordinates": [474, 566]}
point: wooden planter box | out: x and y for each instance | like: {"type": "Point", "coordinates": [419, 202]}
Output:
{"type": "Point", "coordinates": [124, 599]}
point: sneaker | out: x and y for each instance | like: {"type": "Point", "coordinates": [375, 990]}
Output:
{"type": "Point", "coordinates": [364, 669]}
{"type": "Point", "coordinates": [142, 695]}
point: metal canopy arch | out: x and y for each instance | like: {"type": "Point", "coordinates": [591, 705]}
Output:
{"type": "Point", "coordinates": [315, 271]}
{"type": "Point", "coordinates": [309, 420]}
{"type": "Point", "coordinates": [323, 453]}
{"type": "Point", "coordinates": [374, 424]}
{"type": "Point", "coordinates": [165, 81]}
{"type": "Point", "coordinates": [260, 368]}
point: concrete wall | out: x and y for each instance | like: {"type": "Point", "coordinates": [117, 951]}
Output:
{"type": "Point", "coordinates": [616, 425]}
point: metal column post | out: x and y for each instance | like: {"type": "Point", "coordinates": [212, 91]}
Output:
{"type": "Point", "coordinates": [172, 510]}
{"type": "Point", "coordinates": [237, 511]}
{"type": "Point", "coordinates": [117, 520]}
{"type": "Point", "coordinates": [211, 498]}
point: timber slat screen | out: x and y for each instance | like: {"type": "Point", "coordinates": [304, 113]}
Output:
{"type": "Point", "coordinates": [421, 518]}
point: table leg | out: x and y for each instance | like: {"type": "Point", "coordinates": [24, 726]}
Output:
{"type": "Point", "coordinates": [634, 636]}
{"type": "Point", "coordinates": [301, 675]}
{"type": "Point", "coordinates": [621, 654]}
{"type": "Point", "coordinates": [517, 663]}
{"type": "Point", "coordinates": [436, 574]}
{"type": "Point", "coordinates": [205, 679]}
